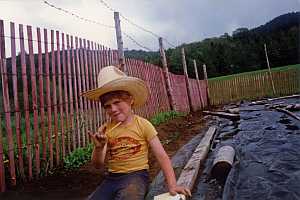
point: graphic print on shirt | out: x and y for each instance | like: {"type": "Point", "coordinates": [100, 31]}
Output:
{"type": "Point", "coordinates": [123, 148]}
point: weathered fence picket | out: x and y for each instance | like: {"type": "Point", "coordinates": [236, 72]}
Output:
{"type": "Point", "coordinates": [16, 103]}
{"type": "Point", "coordinates": [54, 99]}
{"type": "Point", "coordinates": [26, 102]}
{"type": "Point", "coordinates": [6, 105]}
{"type": "Point", "coordinates": [252, 86]}
{"type": "Point", "coordinates": [36, 145]}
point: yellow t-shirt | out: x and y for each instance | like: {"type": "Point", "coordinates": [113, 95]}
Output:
{"type": "Point", "coordinates": [128, 145]}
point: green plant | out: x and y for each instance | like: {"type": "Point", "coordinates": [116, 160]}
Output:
{"type": "Point", "coordinates": [165, 116]}
{"type": "Point", "coordinates": [78, 157]}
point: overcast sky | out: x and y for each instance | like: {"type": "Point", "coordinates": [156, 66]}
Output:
{"type": "Point", "coordinates": [178, 21]}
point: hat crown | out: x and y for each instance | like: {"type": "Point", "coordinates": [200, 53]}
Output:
{"type": "Point", "coordinates": [109, 74]}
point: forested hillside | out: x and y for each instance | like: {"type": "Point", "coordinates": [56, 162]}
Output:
{"type": "Point", "coordinates": [241, 51]}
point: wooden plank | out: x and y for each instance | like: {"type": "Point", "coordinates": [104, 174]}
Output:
{"type": "Point", "coordinates": [190, 171]}
{"type": "Point", "coordinates": [6, 106]}
{"type": "Point", "coordinates": [16, 102]}
{"type": "Point", "coordinates": [26, 102]}
{"type": "Point", "coordinates": [289, 113]}
{"type": "Point", "coordinates": [285, 97]}
{"type": "Point", "coordinates": [36, 145]}
{"type": "Point", "coordinates": [223, 114]}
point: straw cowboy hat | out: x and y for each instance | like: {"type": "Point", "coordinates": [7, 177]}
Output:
{"type": "Point", "coordinates": [110, 79]}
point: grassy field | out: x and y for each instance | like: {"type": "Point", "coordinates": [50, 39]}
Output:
{"type": "Point", "coordinates": [276, 69]}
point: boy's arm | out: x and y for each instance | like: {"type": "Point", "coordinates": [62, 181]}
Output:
{"type": "Point", "coordinates": [98, 156]}
{"type": "Point", "coordinates": [166, 166]}
{"type": "Point", "coordinates": [100, 146]}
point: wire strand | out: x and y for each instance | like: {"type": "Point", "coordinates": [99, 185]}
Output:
{"type": "Point", "coordinates": [95, 22]}
{"type": "Point", "coordinates": [136, 25]}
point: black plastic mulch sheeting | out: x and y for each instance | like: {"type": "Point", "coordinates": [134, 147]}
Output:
{"type": "Point", "coordinates": [267, 147]}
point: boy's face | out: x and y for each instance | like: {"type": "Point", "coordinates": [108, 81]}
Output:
{"type": "Point", "coordinates": [118, 109]}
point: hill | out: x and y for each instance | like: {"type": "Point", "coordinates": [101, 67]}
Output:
{"type": "Point", "coordinates": [240, 52]}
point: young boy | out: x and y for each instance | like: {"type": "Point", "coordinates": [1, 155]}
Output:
{"type": "Point", "coordinates": [125, 139]}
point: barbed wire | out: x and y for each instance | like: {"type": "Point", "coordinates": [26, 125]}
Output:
{"type": "Point", "coordinates": [95, 22]}
{"type": "Point", "coordinates": [136, 25]}
{"type": "Point", "coordinates": [77, 16]}
{"type": "Point", "coordinates": [128, 36]}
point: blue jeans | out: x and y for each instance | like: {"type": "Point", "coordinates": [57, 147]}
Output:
{"type": "Point", "coordinates": [121, 186]}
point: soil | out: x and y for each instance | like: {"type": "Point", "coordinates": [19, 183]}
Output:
{"type": "Point", "coordinates": [80, 183]}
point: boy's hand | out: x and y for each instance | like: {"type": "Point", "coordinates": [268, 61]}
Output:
{"type": "Point", "coordinates": [181, 190]}
{"type": "Point", "coordinates": [99, 138]}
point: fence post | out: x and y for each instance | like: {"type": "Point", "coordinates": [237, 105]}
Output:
{"type": "Point", "coordinates": [206, 80]}
{"type": "Point", "coordinates": [119, 42]}
{"type": "Point", "coordinates": [270, 74]}
{"type": "Point", "coordinates": [186, 78]}
{"type": "Point", "coordinates": [198, 83]}
{"type": "Point", "coordinates": [166, 74]}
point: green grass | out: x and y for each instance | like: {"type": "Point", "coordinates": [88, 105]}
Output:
{"type": "Point", "coordinates": [165, 116]}
{"type": "Point", "coordinates": [276, 69]}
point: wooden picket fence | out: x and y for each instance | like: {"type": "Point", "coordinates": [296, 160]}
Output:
{"type": "Point", "coordinates": [44, 118]}
{"type": "Point", "coordinates": [253, 86]}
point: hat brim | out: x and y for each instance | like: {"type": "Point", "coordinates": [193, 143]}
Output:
{"type": "Point", "coordinates": [135, 86]}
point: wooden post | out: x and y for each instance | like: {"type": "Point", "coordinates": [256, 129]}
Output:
{"type": "Point", "coordinates": [186, 78]}
{"type": "Point", "coordinates": [198, 83]}
{"type": "Point", "coordinates": [166, 74]}
{"type": "Point", "coordinates": [119, 42]}
{"type": "Point", "coordinates": [206, 80]}
{"type": "Point", "coordinates": [270, 74]}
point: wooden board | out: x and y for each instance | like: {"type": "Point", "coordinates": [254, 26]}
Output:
{"type": "Point", "coordinates": [223, 114]}
{"type": "Point", "coordinates": [190, 171]}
